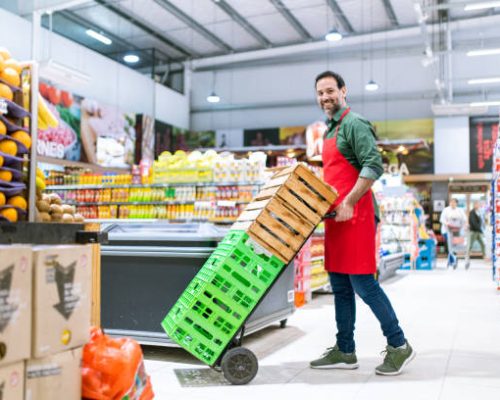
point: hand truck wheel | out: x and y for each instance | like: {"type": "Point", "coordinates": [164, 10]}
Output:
{"type": "Point", "coordinates": [239, 365]}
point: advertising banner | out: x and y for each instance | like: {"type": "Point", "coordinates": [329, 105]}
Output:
{"type": "Point", "coordinates": [63, 142]}
{"type": "Point", "coordinates": [483, 136]}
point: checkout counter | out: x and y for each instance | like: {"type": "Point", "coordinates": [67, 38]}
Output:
{"type": "Point", "coordinates": [146, 266]}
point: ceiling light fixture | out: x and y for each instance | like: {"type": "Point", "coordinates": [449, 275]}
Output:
{"type": "Point", "coordinates": [333, 36]}
{"type": "Point", "coordinates": [481, 6]}
{"type": "Point", "coordinates": [99, 37]}
{"type": "Point", "coordinates": [131, 58]}
{"type": "Point", "coordinates": [371, 86]}
{"type": "Point", "coordinates": [480, 81]}
{"type": "Point", "coordinates": [213, 98]}
{"type": "Point", "coordinates": [483, 52]}
{"type": "Point", "coordinates": [485, 103]}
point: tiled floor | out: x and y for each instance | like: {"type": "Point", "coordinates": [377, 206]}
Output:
{"type": "Point", "coordinates": [451, 318]}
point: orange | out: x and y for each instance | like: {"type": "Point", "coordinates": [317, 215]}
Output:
{"type": "Point", "coordinates": [2, 199]}
{"type": "Point", "coordinates": [11, 76]}
{"type": "Point", "coordinates": [18, 201]}
{"type": "Point", "coordinates": [2, 63]}
{"type": "Point", "coordinates": [8, 147]}
{"type": "Point", "coordinates": [4, 53]}
{"type": "Point", "coordinates": [6, 92]}
{"type": "Point", "coordinates": [3, 128]}
{"type": "Point", "coordinates": [9, 213]}
{"type": "Point", "coordinates": [23, 137]}
{"type": "Point", "coordinates": [14, 64]}
{"type": "Point", "coordinates": [1, 161]}
{"type": "Point", "coordinates": [5, 175]}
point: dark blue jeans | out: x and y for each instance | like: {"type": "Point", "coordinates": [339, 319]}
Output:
{"type": "Point", "coordinates": [344, 286]}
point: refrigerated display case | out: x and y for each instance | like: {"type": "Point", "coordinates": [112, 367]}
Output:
{"type": "Point", "coordinates": [157, 261]}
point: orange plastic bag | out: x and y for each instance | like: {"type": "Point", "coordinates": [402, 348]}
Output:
{"type": "Point", "coordinates": [113, 369]}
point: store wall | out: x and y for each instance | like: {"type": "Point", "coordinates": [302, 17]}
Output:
{"type": "Point", "coordinates": [452, 147]}
{"type": "Point", "coordinates": [111, 82]}
{"type": "Point", "coordinates": [283, 95]}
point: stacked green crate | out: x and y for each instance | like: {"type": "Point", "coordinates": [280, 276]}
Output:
{"type": "Point", "coordinates": [220, 297]}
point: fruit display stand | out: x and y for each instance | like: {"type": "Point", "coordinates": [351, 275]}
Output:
{"type": "Point", "coordinates": [211, 313]}
{"type": "Point", "coordinates": [21, 111]}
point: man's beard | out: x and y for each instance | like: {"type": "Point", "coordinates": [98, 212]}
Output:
{"type": "Point", "coordinates": [332, 111]}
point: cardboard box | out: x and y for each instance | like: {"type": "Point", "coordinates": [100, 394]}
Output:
{"type": "Point", "coordinates": [56, 377]}
{"type": "Point", "coordinates": [12, 381]}
{"type": "Point", "coordinates": [15, 303]}
{"type": "Point", "coordinates": [61, 298]}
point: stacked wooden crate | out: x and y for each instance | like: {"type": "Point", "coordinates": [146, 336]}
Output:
{"type": "Point", "coordinates": [286, 211]}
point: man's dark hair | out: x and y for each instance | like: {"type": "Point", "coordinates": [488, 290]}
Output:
{"type": "Point", "coordinates": [330, 74]}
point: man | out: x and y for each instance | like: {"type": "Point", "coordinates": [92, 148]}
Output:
{"type": "Point", "coordinates": [452, 221]}
{"type": "Point", "coordinates": [476, 232]}
{"type": "Point", "coordinates": [351, 163]}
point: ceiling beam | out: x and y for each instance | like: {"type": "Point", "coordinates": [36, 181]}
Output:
{"type": "Point", "coordinates": [339, 14]}
{"type": "Point", "coordinates": [181, 15]}
{"type": "Point", "coordinates": [285, 12]}
{"type": "Point", "coordinates": [74, 17]}
{"type": "Point", "coordinates": [390, 12]}
{"type": "Point", "coordinates": [150, 31]}
{"type": "Point", "coordinates": [243, 23]}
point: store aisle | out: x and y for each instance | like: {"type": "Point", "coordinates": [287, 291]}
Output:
{"type": "Point", "coordinates": [452, 319]}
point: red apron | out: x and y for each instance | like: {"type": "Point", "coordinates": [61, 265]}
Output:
{"type": "Point", "coordinates": [349, 245]}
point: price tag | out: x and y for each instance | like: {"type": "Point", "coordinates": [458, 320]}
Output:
{"type": "Point", "coordinates": [226, 203]}
{"type": "Point", "coordinates": [3, 106]}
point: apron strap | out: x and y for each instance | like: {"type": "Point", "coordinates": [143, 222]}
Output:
{"type": "Point", "coordinates": [346, 111]}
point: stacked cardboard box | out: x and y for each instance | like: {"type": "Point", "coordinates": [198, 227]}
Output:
{"type": "Point", "coordinates": [15, 318]}
{"type": "Point", "coordinates": [44, 320]}
{"type": "Point", "coordinates": [61, 321]}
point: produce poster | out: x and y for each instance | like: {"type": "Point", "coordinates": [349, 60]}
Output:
{"type": "Point", "coordinates": [186, 140]}
{"type": "Point", "coordinates": [163, 138]}
{"type": "Point", "coordinates": [293, 135]}
{"type": "Point", "coordinates": [417, 157]}
{"type": "Point", "coordinates": [314, 138]}
{"type": "Point", "coordinates": [108, 135]}
{"type": "Point", "coordinates": [483, 136]}
{"type": "Point", "coordinates": [63, 142]}
{"type": "Point", "coordinates": [261, 137]}
{"type": "Point", "coordinates": [144, 138]}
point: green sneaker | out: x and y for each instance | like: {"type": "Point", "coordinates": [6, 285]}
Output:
{"type": "Point", "coordinates": [333, 358]}
{"type": "Point", "coordinates": [395, 360]}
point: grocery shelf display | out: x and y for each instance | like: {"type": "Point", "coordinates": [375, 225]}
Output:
{"type": "Point", "coordinates": [495, 215]}
{"type": "Point", "coordinates": [175, 188]}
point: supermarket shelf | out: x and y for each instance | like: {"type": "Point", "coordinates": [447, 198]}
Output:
{"type": "Point", "coordinates": [152, 185]}
{"type": "Point", "coordinates": [68, 163]}
{"type": "Point", "coordinates": [124, 203]}
{"type": "Point", "coordinates": [142, 203]}
{"type": "Point", "coordinates": [154, 220]}
{"type": "Point", "coordinates": [323, 288]}
{"type": "Point", "coordinates": [257, 148]}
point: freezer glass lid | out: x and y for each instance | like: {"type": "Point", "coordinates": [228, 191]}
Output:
{"type": "Point", "coordinates": [165, 231]}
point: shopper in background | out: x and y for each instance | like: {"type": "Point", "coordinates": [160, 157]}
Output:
{"type": "Point", "coordinates": [476, 232]}
{"type": "Point", "coordinates": [453, 221]}
{"type": "Point", "coordinates": [351, 163]}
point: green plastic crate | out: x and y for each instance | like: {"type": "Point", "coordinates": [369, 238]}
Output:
{"type": "Point", "coordinates": [220, 297]}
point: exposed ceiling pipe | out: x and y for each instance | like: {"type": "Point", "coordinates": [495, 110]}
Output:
{"type": "Point", "coordinates": [350, 41]}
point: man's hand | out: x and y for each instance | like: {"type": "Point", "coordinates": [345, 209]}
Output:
{"type": "Point", "coordinates": [345, 211]}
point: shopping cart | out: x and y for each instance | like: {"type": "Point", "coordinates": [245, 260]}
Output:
{"type": "Point", "coordinates": [209, 318]}
{"type": "Point", "coordinates": [457, 245]}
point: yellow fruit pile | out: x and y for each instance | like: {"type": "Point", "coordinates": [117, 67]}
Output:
{"type": "Point", "coordinates": [10, 72]}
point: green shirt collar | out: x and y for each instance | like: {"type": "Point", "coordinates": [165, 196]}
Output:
{"type": "Point", "coordinates": [338, 114]}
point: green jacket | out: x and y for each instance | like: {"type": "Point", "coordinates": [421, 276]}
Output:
{"type": "Point", "coordinates": [356, 142]}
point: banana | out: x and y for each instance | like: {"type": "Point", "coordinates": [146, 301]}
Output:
{"type": "Point", "coordinates": [46, 114]}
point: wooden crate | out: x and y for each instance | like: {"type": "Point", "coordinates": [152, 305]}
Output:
{"type": "Point", "coordinates": [286, 211]}
{"type": "Point", "coordinates": [96, 276]}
